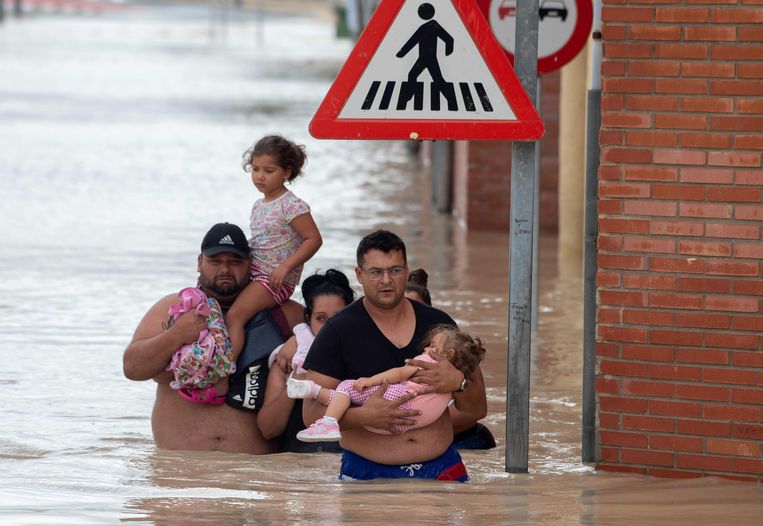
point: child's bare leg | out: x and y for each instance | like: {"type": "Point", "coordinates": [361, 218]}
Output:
{"type": "Point", "coordinates": [253, 299]}
{"type": "Point", "coordinates": [324, 396]}
{"type": "Point", "coordinates": [338, 405]}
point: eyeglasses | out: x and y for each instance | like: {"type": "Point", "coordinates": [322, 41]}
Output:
{"type": "Point", "coordinates": [378, 273]}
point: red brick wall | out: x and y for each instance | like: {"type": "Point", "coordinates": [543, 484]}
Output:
{"type": "Point", "coordinates": [680, 294]}
{"type": "Point", "coordinates": [482, 173]}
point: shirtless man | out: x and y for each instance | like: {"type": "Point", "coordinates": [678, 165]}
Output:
{"type": "Point", "coordinates": [375, 333]}
{"type": "Point", "coordinates": [223, 267]}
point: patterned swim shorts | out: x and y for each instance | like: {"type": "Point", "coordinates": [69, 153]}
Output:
{"type": "Point", "coordinates": [446, 467]}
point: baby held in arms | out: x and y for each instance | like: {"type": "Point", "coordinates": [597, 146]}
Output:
{"type": "Point", "coordinates": [443, 342]}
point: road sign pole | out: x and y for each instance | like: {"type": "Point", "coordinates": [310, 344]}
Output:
{"type": "Point", "coordinates": [591, 236]}
{"type": "Point", "coordinates": [536, 215]}
{"type": "Point", "coordinates": [521, 252]}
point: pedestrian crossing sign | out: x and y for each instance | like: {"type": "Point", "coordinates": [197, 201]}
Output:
{"type": "Point", "coordinates": [427, 69]}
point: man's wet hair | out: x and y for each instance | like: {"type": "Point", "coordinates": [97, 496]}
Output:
{"type": "Point", "coordinates": [383, 241]}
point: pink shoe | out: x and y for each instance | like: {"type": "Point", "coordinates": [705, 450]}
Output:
{"type": "Point", "coordinates": [320, 431]}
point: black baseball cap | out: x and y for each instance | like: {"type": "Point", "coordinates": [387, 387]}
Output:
{"type": "Point", "coordinates": [225, 237]}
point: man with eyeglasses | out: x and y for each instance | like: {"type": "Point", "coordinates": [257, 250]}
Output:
{"type": "Point", "coordinates": [375, 333]}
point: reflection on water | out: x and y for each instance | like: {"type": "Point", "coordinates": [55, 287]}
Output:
{"type": "Point", "coordinates": [120, 144]}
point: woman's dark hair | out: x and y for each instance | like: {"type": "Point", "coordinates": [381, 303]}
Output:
{"type": "Point", "coordinates": [417, 282]}
{"type": "Point", "coordinates": [332, 283]}
{"type": "Point", "coordinates": [288, 155]}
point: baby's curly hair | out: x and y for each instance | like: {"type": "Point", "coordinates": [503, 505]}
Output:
{"type": "Point", "coordinates": [287, 154]}
{"type": "Point", "coordinates": [469, 351]}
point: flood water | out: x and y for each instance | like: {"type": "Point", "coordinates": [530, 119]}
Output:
{"type": "Point", "coordinates": [120, 142]}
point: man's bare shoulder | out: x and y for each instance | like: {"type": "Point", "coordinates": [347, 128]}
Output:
{"type": "Point", "coordinates": [154, 320]}
{"type": "Point", "coordinates": [162, 306]}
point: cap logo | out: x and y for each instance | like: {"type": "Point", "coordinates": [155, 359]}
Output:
{"type": "Point", "coordinates": [226, 241]}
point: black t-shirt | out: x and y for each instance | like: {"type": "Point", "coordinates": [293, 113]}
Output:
{"type": "Point", "coordinates": [350, 345]}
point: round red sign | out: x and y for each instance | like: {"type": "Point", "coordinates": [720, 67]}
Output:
{"type": "Point", "coordinates": [563, 28]}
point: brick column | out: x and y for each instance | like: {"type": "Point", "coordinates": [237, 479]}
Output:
{"type": "Point", "coordinates": [680, 294]}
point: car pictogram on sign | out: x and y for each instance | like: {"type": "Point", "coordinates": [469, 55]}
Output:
{"type": "Point", "coordinates": [552, 9]}
{"type": "Point", "coordinates": [563, 28]}
{"type": "Point", "coordinates": [507, 8]}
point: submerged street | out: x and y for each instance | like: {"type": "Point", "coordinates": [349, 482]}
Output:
{"type": "Point", "coordinates": [121, 134]}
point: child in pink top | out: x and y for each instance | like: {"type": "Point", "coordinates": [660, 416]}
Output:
{"type": "Point", "coordinates": [202, 364]}
{"type": "Point", "coordinates": [284, 234]}
{"type": "Point", "coordinates": [441, 343]}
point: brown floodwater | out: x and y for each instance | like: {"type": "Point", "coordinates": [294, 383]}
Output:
{"type": "Point", "coordinates": [469, 281]}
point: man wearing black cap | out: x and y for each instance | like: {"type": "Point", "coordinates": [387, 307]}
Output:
{"type": "Point", "coordinates": [223, 267]}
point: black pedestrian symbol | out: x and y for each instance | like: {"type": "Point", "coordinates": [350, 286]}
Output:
{"type": "Point", "coordinates": [427, 37]}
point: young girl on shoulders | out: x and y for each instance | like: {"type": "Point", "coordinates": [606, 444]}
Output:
{"type": "Point", "coordinates": [443, 342]}
{"type": "Point", "coordinates": [283, 233]}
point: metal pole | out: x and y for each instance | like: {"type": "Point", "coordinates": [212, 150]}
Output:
{"type": "Point", "coordinates": [521, 252]}
{"type": "Point", "coordinates": [589, 277]}
{"type": "Point", "coordinates": [591, 234]}
{"type": "Point", "coordinates": [442, 178]}
{"type": "Point", "coordinates": [536, 217]}
{"type": "Point", "coordinates": [361, 17]}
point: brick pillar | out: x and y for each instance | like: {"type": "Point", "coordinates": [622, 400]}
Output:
{"type": "Point", "coordinates": [680, 294]}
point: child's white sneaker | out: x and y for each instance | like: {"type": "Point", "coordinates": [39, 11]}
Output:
{"type": "Point", "coordinates": [320, 431]}
{"type": "Point", "coordinates": [301, 388]}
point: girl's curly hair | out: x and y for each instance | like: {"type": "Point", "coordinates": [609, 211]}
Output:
{"type": "Point", "coordinates": [287, 154]}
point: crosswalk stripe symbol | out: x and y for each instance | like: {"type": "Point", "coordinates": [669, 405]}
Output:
{"type": "Point", "coordinates": [417, 71]}
{"type": "Point", "coordinates": [371, 95]}
{"type": "Point", "coordinates": [466, 94]}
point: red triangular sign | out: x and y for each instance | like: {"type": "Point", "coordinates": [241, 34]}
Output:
{"type": "Point", "coordinates": [427, 69]}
